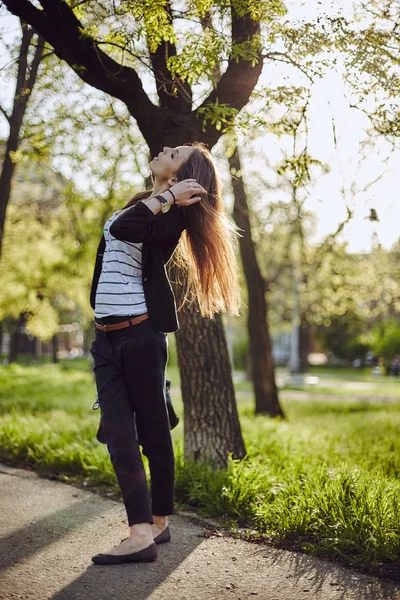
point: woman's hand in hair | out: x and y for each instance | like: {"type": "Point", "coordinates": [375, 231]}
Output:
{"type": "Point", "coordinates": [187, 192]}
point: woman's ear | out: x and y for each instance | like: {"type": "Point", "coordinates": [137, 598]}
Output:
{"type": "Point", "coordinates": [172, 181]}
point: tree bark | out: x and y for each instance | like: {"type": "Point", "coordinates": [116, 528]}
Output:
{"type": "Point", "coordinates": [26, 78]}
{"type": "Point", "coordinates": [54, 342]}
{"type": "Point", "coordinates": [37, 348]}
{"type": "Point", "coordinates": [262, 367]}
{"type": "Point", "coordinates": [211, 423]}
{"type": "Point", "coordinates": [13, 347]}
{"type": "Point", "coordinates": [17, 328]}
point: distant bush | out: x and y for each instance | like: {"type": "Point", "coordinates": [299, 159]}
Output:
{"type": "Point", "coordinates": [342, 337]}
{"type": "Point", "coordinates": [386, 339]}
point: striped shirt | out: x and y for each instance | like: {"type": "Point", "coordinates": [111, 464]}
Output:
{"type": "Point", "coordinates": [120, 288]}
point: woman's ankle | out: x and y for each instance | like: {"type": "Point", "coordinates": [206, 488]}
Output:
{"type": "Point", "coordinates": [140, 529]}
{"type": "Point", "coordinates": [160, 521]}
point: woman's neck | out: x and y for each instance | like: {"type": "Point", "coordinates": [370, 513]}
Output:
{"type": "Point", "coordinates": [159, 187]}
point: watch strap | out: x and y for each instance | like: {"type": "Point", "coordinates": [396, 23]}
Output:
{"type": "Point", "coordinates": [165, 205]}
{"type": "Point", "coordinates": [162, 199]}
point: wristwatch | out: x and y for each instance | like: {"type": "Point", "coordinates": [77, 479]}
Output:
{"type": "Point", "coordinates": [165, 205]}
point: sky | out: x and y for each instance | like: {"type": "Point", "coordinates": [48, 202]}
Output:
{"type": "Point", "coordinates": [328, 102]}
{"type": "Point", "coordinates": [348, 170]}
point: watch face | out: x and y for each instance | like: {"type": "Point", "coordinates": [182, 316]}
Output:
{"type": "Point", "coordinates": [165, 207]}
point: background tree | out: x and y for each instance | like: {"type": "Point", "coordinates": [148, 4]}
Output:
{"type": "Point", "coordinates": [284, 118]}
{"type": "Point", "coordinates": [43, 266]}
{"type": "Point", "coordinates": [262, 367]}
{"type": "Point", "coordinates": [27, 70]}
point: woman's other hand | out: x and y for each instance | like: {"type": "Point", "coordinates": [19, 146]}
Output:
{"type": "Point", "coordinates": [187, 192]}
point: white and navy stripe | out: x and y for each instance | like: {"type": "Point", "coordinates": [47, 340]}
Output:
{"type": "Point", "coordinates": [120, 288]}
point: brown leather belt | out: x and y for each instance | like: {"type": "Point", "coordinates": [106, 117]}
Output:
{"type": "Point", "coordinates": [123, 324]}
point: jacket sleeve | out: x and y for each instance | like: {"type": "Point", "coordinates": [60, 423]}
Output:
{"type": "Point", "coordinates": [140, 224]}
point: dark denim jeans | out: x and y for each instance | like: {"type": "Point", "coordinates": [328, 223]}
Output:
{"type": "Point", "coordinates": [130, 368]}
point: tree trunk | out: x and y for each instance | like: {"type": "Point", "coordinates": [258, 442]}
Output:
{"type": "Point", "coordinates": [25, 81]}
{"type": "Point", "coordinates": [294, 359]}
{"type": "Point", "coordinates": [202, 349]}
{"type": "Point", "coordinates": [305, 334]}
{"type": "Point", "coordinates": [211, 423]}
{"type": "Point", "coordinates": [16, 329]}
{"type": "Point", "coordinates": [13, 347]}
{"type": "Point", "coordinates": [37, 348]}
{"type": "Point", "coordinates": [54, 342]}
{"type": "Point", "coordinates": [262, 367]}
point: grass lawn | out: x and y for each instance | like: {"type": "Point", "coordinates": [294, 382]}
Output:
{"type": "Point", "coordinates": [324, 481]}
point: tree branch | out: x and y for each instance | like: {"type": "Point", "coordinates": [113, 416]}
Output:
{"type": "Point", "coordinates": [125, 49]}
{"type": "Point", "coordinates": [58, 24]}
{"type": "Point", "coordinates": [166, 85]}
{"type": "Point", "coordinates": [22, 71]}
{"type": "Point", "coordinates": [38, 56]}
{"type": "Point", "coordinates": [237, 83]}
{"type": "Point", "coordinates": [286, 58]}
{"type": "Point", "coordinates": [327, 244]}
{"type": "Point", "coordinates": [5, 114]}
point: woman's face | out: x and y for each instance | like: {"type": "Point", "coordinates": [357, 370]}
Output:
{"type": "Point", "coordinates": [166, 164]}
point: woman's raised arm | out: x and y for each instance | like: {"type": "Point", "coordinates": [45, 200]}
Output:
{"type": "Point", "coordinates": [140, 224]}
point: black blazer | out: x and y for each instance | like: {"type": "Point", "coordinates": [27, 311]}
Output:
{"type": "Point", "coordinates": [159, 235]}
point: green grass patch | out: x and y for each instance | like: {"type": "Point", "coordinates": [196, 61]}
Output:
{"type": "Point", "coordinates": [324, 481]}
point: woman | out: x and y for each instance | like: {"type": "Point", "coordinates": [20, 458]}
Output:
{"type": "Point", "coordinates": [182, 217]}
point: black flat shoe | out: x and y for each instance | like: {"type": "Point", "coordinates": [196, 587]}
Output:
{"type": "Point", "coordinates": [161, 538]}
{"type": "Point", "coordinates": [148, 554]}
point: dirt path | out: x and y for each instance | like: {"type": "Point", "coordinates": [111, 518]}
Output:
{"type": "Point", "coordinates": [50, 530]}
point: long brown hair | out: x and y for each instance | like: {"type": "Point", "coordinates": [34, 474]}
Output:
{"type": "Point", "coordinates": [205, 261]}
